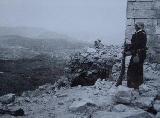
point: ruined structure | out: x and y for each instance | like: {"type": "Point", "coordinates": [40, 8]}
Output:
{"type": "Point", "coordinates": [147, 11]}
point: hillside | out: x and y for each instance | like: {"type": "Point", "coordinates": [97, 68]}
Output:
{"type": "Point", "coordinates": [28, 61]}
{"type": "Point", "coordinates": [102, 100]}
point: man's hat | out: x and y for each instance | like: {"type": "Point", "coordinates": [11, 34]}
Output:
{"type": "Point", "coordinates": [140, 25]}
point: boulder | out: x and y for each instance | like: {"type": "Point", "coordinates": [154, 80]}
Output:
{"type": "Point", "coordinates": [144, 102]}
{"type": "Point", "coordinates": [130, 114]}
{"type": "Point", "coordinates": [7, 99]}
{"type": "Point", "coordinates": [81, 106]}
{"type": "Point", "coordinates": [124, 95]}
{"type": "Point", "coordinates": [157, 105]}
{"type": "Point", "coordinates": [121, 108]}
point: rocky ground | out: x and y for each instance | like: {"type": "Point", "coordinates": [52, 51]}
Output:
{"type": "Point", "coordinates": [102, 100]}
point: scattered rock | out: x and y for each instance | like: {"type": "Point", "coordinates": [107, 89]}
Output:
{"type": "Point", "coordinates": [157, 105]}
{"type": "Point", "coordinates": [121, 108]}
{"type": "Point", "coordinates": [80, 106]}
{"type": "Point", "coordinates": [130, 114]}
{"type": "Point", "coordinates": [144, 102]}
{"type": "Point", "coordinates": [7, 99]}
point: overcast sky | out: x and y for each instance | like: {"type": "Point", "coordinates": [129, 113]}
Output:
{"type": "Point", "coordinates": [82, 19]}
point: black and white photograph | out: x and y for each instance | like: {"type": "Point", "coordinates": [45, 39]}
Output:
{"type": "Point", "coordinates": [79, 58]}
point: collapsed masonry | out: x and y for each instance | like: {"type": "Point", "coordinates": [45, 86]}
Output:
{"type": "Point", "coordinates": [147, 11]}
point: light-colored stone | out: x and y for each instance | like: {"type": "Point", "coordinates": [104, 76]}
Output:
{"type": "Point", "coordinates": [143, 5]}
{"type": "Point", "coordinates": [141, 14]}
{"type": "Point", "coordinates": [121, 108]}
{"type": "Point", "coordinates": [6, 99]}
{"type": "Point", "coordinates": [80, 106]}
{"type": "Point", "coordinates": [131, 114]}
{"type": "Point", "coordinates": [124, 95]}
{"type": "Point", "coordinates": [157, 105]}
{"type": "Point", "coordinates": [144, 102]}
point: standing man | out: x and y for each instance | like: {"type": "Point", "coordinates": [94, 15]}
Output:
{"type": "Point", "coordinates": [138, 52]}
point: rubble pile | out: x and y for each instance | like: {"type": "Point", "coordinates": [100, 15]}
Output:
{"type": "Point", "coordinates": [85, 67]}
{"type": "Point", "coordinates": [101, 100]}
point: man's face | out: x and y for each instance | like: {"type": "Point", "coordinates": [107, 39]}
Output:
{"type": "Point", "coordinates": [136, 28]}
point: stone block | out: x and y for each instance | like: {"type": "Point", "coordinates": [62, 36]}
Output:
{"type": "Point", "coordinates": [141, 14]}
{"type": "Point", "coordinates": [130, 6]}
{"type": "Point", "coordinates": [157, 30]}
{"type": "Point", "coordinates": [124, 95]}
{"type": "Point", "coordinates": [129, 22]}
{"type": "Point", "coordinates": [147, 22]}
{"type": "Point", "coordinates": [156, 4]}
{"type": "Point", "coordinates": [143, 5]}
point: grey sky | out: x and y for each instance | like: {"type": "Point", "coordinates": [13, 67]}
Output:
{"type": "Point", "coordinates": [82, 19]}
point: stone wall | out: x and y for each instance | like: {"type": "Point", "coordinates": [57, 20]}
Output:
{"type": "Point", "coordinates": [147, 11]}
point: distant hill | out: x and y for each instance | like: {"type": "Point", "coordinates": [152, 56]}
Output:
{"type": "Point", "coordinates": [30, 32]}
{"type": "Point", "coordinates": [22, 42]}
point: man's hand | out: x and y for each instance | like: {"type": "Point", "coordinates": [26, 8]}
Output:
{"type": "Point", "coordinates": [127, 53]}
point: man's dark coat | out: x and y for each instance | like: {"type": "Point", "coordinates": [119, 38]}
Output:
{"type": "Point", "coordinates": [135, 70]}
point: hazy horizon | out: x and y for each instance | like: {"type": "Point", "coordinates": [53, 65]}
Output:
{"type": "Point", "coordinates": [81, 19]}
